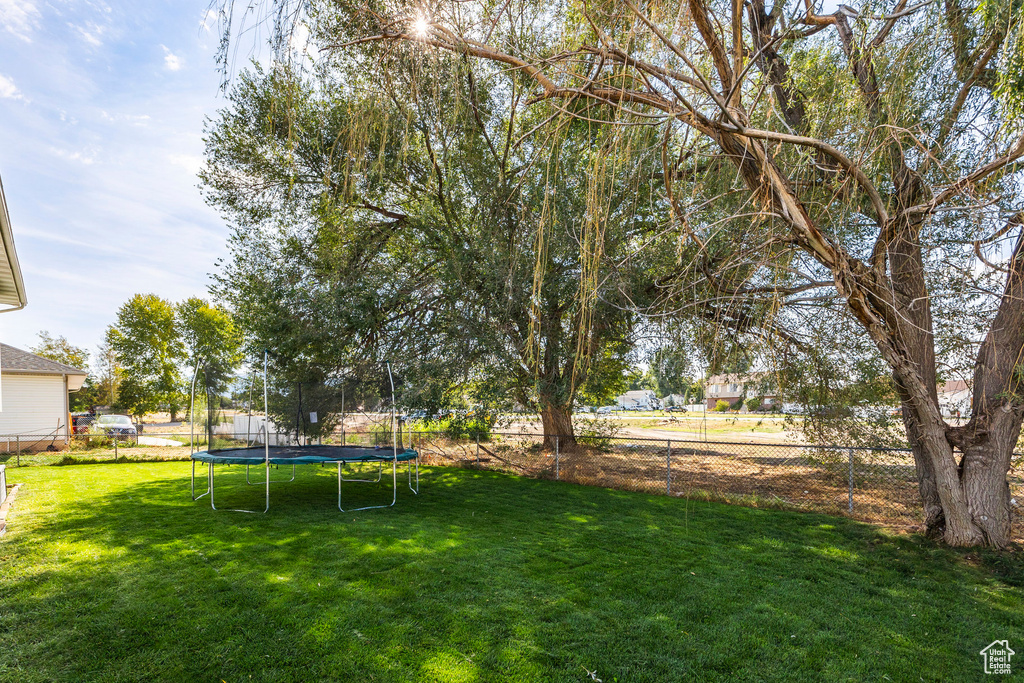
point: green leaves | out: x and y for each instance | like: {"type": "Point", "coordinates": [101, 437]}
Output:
{"type": "Point", "coordinates": [402, 221]}
{"type": "Point", "coordinates": [147, 346]}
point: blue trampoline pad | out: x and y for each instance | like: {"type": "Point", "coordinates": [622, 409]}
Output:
{"type": "Point", "coordinates": [299, 455]}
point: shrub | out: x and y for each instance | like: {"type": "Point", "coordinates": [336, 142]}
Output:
{"type": "Point", "coordinates": [722, 406]}
{"type": "Point", "coordinates": [753, 404]}
{"type": "Point", "coordinates": [597, 433]}
{"type": "Point", "coordinates": [460, 426]}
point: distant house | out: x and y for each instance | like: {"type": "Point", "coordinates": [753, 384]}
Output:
{"type": "Point", "coordinates": [954, 398]}
{"type": "Point", "coordinates": [641, 399]}
{"type": "Point", "coordinates": [34, 399]}
{"type": "Point", "coordinates": [734, 388]}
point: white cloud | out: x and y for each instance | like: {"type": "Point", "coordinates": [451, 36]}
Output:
{"type": "Point", "coordinates": [90, 33]}
{"type": "Point", "coordinates": [171, 60]}
{"type": "Point", "coordinates": [86, 156]}
{"type": "Point", "coordinates": [19, 17]}
{"type": "Point", "coordinates": [209, 21]}
{"type": "Point", "coordinates": [134, 119]}
{"type": "Point", "coordinates": [8, 90]}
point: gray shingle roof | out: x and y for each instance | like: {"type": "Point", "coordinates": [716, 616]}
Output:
{"type": "Point", "coordinates": [18, 361]}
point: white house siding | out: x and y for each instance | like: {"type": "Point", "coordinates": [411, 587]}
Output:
{"type": "Point", "coordinates": [33, 405]}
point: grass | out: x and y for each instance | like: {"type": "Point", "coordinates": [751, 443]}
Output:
{"type": "Point", "coordinates": [110, 572]}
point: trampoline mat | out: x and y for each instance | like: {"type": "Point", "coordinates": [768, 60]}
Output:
{"type": "Point", "coordinates": [298, 455]}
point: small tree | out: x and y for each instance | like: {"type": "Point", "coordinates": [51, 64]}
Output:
{"type": "Point", "coordinates": [147, 347]}
{"type": "Point", "coordinates": [210, 336]}
{"type": "Point", "coordinates": [108, 376]}
{"type": "Point", "coordinates": [59, 349]}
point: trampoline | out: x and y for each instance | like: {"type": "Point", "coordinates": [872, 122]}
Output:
{"type": "Point", "coordinates": [260, 452]}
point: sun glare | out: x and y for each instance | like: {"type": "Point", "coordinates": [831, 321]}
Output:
{"type": "Point", "coordinates": [420, 27]}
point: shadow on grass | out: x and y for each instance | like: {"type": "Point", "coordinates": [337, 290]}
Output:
{"type": "Point", "coordinates": [118, 575]}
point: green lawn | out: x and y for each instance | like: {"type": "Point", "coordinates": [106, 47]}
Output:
{"type": "Point", "coordinates": [110, 572]}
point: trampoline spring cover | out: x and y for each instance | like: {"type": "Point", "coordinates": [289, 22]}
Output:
{"type": "Point", "coordinates": [297, 455]}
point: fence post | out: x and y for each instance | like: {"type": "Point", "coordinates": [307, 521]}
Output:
{"type": "Point", "coordinates": [478, 446]}
{"type": "Point", "coordinates": [668, 469]}
{"type": "Point", "coordinates": [558, 464]}
{"type": "Point", "coordinates": [115, 447]}
{"type": "Point", "coordinates": [851, 479]}
{"type": "Point", "coordinates": [18, 439]}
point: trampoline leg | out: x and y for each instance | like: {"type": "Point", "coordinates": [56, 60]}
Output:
{"type": "Point", "coordinates": [275, 481]}
{"type": "Point", "coordinates": [194, 496]}
{"type": "Point", "coordinates": [394, 489]}
{"type": "Point", "coordinates": [380, 471]}
{"type": "Point", "coordinates": [210, 484]}
{"type": "Point", "coordinates": [417, 489]}
{"type": "Point", "coordinates": [265, 509]}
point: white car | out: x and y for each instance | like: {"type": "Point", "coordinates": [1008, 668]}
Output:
{"type": "Point", "coordinates": [120, 426]}
{"type": "Point", "coordinates": [604, 410]}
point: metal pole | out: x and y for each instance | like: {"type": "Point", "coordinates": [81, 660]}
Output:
{"type": "Point", "coordinates": [18, 439]}
{"type": "Point", "coordinates": [192, 413]}
{"type": "Point", "coordinates": [394, 423]}
{"type": "Point", "coordinates": [266, 446]}
{"type": "Point", "coordinates": [115, 446]}
{"type": "Point", "coordinates": [478, 446]}
{"type": "Point", "coordinates": [558, 464]}
{"type": "Point", "coordinates": [851, 479]}
{"type": "Point", "coordinates": [668, 469]}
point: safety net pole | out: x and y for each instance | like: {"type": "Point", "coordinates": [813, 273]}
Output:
{"type": "Point", "coordinates": [394, 423]}
{"type": "Point", "coordinates": [266, 418]}
{"type": "Point", "coordinates": [192, 412]}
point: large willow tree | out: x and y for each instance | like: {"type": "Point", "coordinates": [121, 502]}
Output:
{"type": "Point", "coordinates": [871, 154]}
{"type": "Point", "coordinates": [418, 219]}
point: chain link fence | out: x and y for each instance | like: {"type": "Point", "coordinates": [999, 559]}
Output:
{"type": "Point", "coordinates": [874, 485]}
{"type": "Point", "coordinates": [25, 450]}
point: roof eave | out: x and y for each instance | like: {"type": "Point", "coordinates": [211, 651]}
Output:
{"type": "Point", "coordinates": [19, 300]}
{"type": "Point", "coordinates": [48, 373]}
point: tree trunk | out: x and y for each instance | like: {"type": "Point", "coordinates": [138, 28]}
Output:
{"type": "Point", "coordinates": [988, 439]}
{"type": "Point", "coordinates": [556, 421]}
{"type": "Point", "coordinates": [983, 472]}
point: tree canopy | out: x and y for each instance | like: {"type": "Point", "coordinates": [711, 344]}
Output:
{"type": "Point", "coordinates": [420, 222]}
{"type": "Point", "coordinates": [147, 347]}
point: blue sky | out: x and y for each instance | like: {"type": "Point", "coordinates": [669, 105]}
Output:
{"type": "Point", "coordinates": [101, 116]}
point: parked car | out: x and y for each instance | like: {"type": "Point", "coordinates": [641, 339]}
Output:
{"type": "Point", "coordinates": [80, 422]}
{"type": "Point", "coordinates": [675, 409]}
{"type": "Point", "coordinates": [119, 426]}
